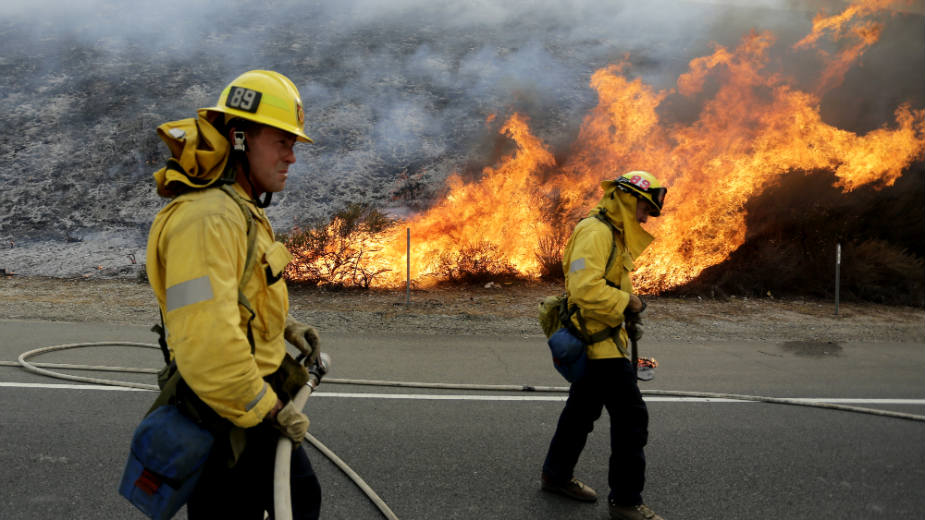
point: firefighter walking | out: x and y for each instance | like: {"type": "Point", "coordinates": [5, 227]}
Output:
{"type": "Point", "coordinates": [606, 301]}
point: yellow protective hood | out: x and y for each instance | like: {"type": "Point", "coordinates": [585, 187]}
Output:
{"type": "Point", "coordinates": [199, 156]}
{"type": "Point", "coordinates": [620, 207]}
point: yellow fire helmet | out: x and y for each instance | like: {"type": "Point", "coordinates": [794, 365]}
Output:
{"type": "Point", "coordinates": [642, 185]}
{"type": "Point", "coordinates": [265, 97]}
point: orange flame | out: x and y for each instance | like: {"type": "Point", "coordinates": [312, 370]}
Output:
{"type": "Point", "coordinates": [849, 25]}
{"type": "Point", "coordinates": [756, 127]}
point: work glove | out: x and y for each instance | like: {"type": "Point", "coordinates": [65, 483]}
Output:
{"type": "Point", "coordinates": [303, 337]}
{"type": "Point", "coordinates": [634, 327]}
{"type": "Point", "coordinates": [636, 305]}
{"type": "Point", "coordinates": [293, 423]}
{"type": "Point", "coordinates": [632, 317]}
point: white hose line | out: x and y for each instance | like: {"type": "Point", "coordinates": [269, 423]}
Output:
{"type": "Point", "coordinates": [383, 508]}
{"type": "Point", "coordinates": [91, 368]}
{"type": "Point", "coordinates": [784, 400]}
{"type": "Point", "coordinates": [668, 393]}
{"type": "Point", "coordinates": [282, 492]}
{"type": "Point", "coordinates": [32, 368]}
{"type": "Point", "coordinates": [450, 386]}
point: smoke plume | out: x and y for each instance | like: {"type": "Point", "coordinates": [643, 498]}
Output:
{"type": "Point", "coordinates": [398, 95]}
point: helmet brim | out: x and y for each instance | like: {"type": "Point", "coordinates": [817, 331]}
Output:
{"type": "Point", "coordinates": [210, 112]}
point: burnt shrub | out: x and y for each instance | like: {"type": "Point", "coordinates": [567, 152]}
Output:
{"type": "Point", "coordinates": [878, 271]}
{"type": "Point", "coordinates": [549, 255]}
{"type": "Point", "coordinates": [474, 264]}
{"type": "Point", "coordinates": [555, 211]}
{"type": "Point", "coordinates": [335, 253]}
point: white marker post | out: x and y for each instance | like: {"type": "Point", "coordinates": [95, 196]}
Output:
{"type": "Point", "coordinates": [408, 269]}
{"type": "Point", "coordinates": [837, 274]}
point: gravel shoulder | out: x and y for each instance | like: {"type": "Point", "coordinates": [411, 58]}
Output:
{"type": "Point", "coordinates": [499, 310]}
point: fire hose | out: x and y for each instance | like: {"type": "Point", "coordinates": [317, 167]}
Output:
{"type": "Point", "coordinates": [282, 493]}
{"type": "Point", "coordinates": [282, 497]}
{"type": "Point", "coordinates": [37, 368]}
{"type": "Point", "coordinates": [302, 397]}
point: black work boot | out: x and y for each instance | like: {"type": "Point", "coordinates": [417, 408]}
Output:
{"type": "Point", "coordinates": [572, 488]}
{"type": "Point", "coordinates": [637, 512]}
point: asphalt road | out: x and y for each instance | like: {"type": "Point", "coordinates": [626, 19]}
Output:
{"type": "Point", "coordinates": [433, 454]}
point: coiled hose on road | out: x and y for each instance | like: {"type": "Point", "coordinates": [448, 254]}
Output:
{"type": "Point", "coordinates": [42, 369]}
{"type": "Point", "coordinates": [284, 449]}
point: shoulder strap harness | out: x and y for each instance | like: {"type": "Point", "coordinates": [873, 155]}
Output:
{"type": "Point", "coordinates": [566, 310]}
{"type": "Point", "coordinates": [245, 276]}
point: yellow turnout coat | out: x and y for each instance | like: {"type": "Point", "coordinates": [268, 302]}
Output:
{"type": "Point", "coordinates": [601, 304]}
{"type": "Point", "coordinates": [196, 254]}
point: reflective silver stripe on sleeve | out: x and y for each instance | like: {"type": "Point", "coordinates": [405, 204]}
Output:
{"type": "Point", "coordinates": [257, 399]}
{"type": "Point", "coordinates": [188, 293]}
{"type": "Point", "coordinates": [576, 265]}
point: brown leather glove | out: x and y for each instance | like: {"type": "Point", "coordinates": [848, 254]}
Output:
{"type": "Point", "coordinates": [303, 337]}
{"type": "Point", "coordinates": [293, 423]}
{"type": "Point", "coordinates": [636, 305]}
{"type": "Point", "coordinates": [634, 328]}
{"type": "Point", "coordinates": [632, 317]}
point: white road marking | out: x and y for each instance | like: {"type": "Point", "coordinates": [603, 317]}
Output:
{"type": "Point", "coordinates": [483, 397]}
{"type": "Point", "coordinates": [72, 387]}
{"type": "Point", "coordinates": [651, 399]}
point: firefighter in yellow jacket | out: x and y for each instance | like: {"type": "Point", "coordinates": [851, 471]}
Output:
{"type": "Point", "coordinates": [605, 300]}
{"type": "Point", "coordinates": [216, 270]}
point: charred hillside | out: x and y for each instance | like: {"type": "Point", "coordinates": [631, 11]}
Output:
{"type": "Point", "coordinates": [400, 97]}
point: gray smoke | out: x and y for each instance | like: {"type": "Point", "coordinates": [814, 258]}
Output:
{"type": "Point", "coordinates": [393, 91]}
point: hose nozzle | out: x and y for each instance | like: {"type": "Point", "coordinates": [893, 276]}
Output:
{"type": "Point", "coordinates": [318, 369]}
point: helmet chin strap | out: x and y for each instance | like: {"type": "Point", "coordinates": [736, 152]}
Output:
{"type": "Point", "coordinates": [267, 197]}
{"type": "Point", "coordinates": [240, 155]}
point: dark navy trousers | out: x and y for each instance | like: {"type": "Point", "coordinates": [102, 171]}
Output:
{"type": "Point", "coordinates": [246, 490]}
{"type": "Point", "coordinates": [611, 384]}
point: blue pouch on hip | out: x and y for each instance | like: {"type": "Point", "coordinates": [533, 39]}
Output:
{"type": "Point", "coordinates": [168, 453]}
{"type": "Point", "coordinates": [569, 354]}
